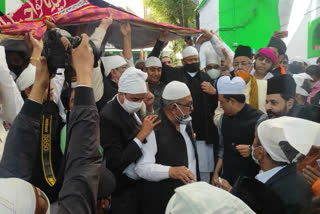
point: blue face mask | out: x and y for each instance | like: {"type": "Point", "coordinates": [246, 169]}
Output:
{"type": "Point", "coordinates": [252, 155]}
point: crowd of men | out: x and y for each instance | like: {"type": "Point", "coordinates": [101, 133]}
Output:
{"type": "Point", "coordinates": [225, 132]}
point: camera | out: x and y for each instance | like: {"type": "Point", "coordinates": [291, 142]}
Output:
{"type": "Point", "coordinates": [57, 56]}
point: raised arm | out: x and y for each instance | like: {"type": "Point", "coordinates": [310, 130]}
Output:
{"type": "Point", "coordinates": [125, 29]}
{"type": "Point", "coordinates": [97, 38]}
{"type": "Point", "coordinates": [81, 177]}
{"type": "Point", "coordinates": [22, 143]}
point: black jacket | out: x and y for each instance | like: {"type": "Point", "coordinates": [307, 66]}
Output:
{"type": "Point", "coordinates": [80, 187]}
{"type": "Point", "coordinates": [169, 141]}
{"type": "Point", "coordinates": [292, 188]}
{"type": "Point", "coordinates": [118, 130]}
{"type": "Point", "coordinates": [110, 89]}
{"type": "Point", "coordinates": [204, 104]}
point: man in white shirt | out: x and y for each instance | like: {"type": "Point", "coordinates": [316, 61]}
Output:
{"type": "Point", "coordinates": [169, 159]}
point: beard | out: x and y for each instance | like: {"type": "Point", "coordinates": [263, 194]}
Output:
{"type": "Point", "coordinates": [272, 114]}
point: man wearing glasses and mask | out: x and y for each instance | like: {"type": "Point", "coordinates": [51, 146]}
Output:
{"type": "Point", "coordinates": [255, 89]}
{"type": "Point", "coordinates": [170, 157]}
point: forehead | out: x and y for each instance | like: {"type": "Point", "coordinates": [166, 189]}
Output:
{"type": "Point", "coordinates": [136, 96]}
{"type": "Point", "coordinates": [186, 99]}
{"type": "Point", "coordinates": [276, 97]}
{"type": "Point", "coordinates": [191, 57]}
{"type": "Point", "coordinates": [154, 67]}
{"type": "Point", "coordinates": [275, 50]}
{"type": "Point", "coordinates": [166, 58]}
{"type": "Point", "coordinates": [241, 59]}
{"type": "Point", "coordinates": [211, 65]}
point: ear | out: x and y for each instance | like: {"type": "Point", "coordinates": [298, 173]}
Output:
{"type": "Point", "coordinates": [121, 97]}
{"type": "Point", "coordinates": [290, 104]}
{"type": "Point", "coordinates": [260, 154]}
{"type": "Point", "coordinates": [27, 91]}
{"type": "Point", "coordinates": [280, 58]}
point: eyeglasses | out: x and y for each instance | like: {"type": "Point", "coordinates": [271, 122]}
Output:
{"type": "Point", "coordinates": [243, 64]}
{"type": "Point", "coordinates": [208, 67]}
{"type": "Point", "coordinates": [188, 106]}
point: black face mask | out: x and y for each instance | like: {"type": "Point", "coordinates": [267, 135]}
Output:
{"type": "Point", "coordinates": [192, 68]}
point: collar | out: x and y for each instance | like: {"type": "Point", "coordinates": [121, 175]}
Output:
{"type": "Point", "coordinates": [265, 176]}
{"type": "Point", "coordinates": [193, 74]}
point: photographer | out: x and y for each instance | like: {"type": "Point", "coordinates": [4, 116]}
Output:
{"type": "Point", "coordinates": [81, 177]}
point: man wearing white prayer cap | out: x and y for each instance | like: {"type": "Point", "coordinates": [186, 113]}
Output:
{"type": "Point", "coordinates": [303, 82]}
{"type": "Point", "coordinates": [153, 67]}
{"type": "Point", "coordinates": [201, 197]}
{"type": "Point", "coordinates": [114, 66]}
{"type": "Point", "coordinates": [122, 137]}
{"type": "Point", "coordinates": [170, 157]}
{"type": "Point", "coordinates": [236, 128]}
{"type": "Point", "coordinates": [19, 196]}
{"type": "Point", "coordinates": [210, 60]}
{"type": "Point", "coordinates": [279, 144]}
{"type": "Point", "coordinates": [205, 101]}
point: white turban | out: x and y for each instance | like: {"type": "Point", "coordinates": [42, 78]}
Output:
{"type": "Point", "coordinates": [133, 81]}
{"type": "Point", "coordinates": [153, 61]}
{"type": "Point", "coordinates": [189, 51]}
{"type": "Point", "coordinates": [18, 196]}
{"type": "Point", "coordinates": [226, 85]}
{"type": "Point", "coordinates": [26, 78]}
{"type": "Point", "coordinates": [201, 197]}
{"type": "Point", "coordinates": [208, 55]}
{"type": "Point", "coordinates": [175, 90]}
{"type": "Point", "coordinates": [300, 79]}
{"type": "Point", "coordinates": [112, 62]}
{"type": "Point", "coordinates": [299, 133]}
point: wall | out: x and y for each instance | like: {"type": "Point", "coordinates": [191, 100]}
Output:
{"type": "Point", "coordinates": [297, 25]}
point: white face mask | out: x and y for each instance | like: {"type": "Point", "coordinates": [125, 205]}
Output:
{"type": "Point", "coordinates": [213, 73]}
{"type": "Point", "coordinates": [131, 107]}
{"type": "Point", "coordinates": [182, 119]}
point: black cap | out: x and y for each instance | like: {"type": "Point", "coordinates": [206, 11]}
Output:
{"type": "Point", "coordinates": [14, 45]}
{"type": "Point", "coordinates": [283, 84]}
{"type": "Point", "coordinates": [107, 183]}
{"type": "Point", "coordinates": [243, 51]}
{"type": "Point", "coordinates": [279, 44]}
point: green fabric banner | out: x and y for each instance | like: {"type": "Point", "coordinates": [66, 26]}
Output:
{"type": "Point", "coordinates": [313, 38]}
{"type": "Point", "coordinates": [248, 22]}
{"type": "Point", "coordinates": [3, 6]}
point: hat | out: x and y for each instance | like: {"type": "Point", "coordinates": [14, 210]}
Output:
{"type": "Point", "coordinates": [107, 183]}
{"type": "Point", "coordinates": [268, 53]}
{"type": "Point", "coordinates": [112, 62]}
{"type": "Point", "coordinates": [175, 90]}
{"type": "Point", "coordinates": [139, 61]}
{"type": "Point", "coordinates": [189, 51]}
{"type": "Point", "coordinates": [283, 84]}
{"type": "Point", "coordinates": [284, 138]}
{"type": "Point", "coordinates": [26, 78]}
{"type": "Point", "coordinates": [208, 55]}
{"type": "Point", "coordinates": [18, 196]}
{"type": "Point", "coordinates": [14, 45]}
{"type": "Point", "coordinates": [300, 80]}
{"type": "Point", "coordinates": [243, 51]}
{"type": "Point", "coordinates": [226, 85]}
{"type": "Point", "coordinates": [201, 197]}
{"type": "Point", "coordinates": [133, 81]}
{"type": "Point", "coordinates": [153, 61]}
{"type": "Point", "coordinates": [279, 44]}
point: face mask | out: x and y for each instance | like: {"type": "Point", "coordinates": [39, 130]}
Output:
{"type": "Point", "coordinates": [182, 119]}
{"type": "Point", "coordinates": [131, 107]}
{"type": "Point", "coordinates": [192, 68]}
{"type": "Point", "coordinates": [252, 155]}
{"type": "Point", "coordinates": [213, 73]}
{"type": "Point", "coordinates": [244, 75]}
